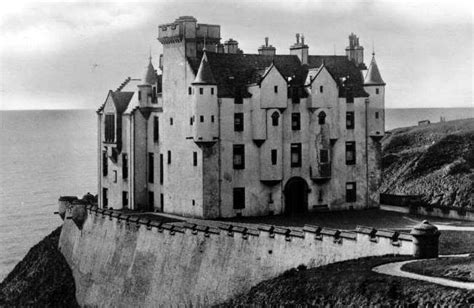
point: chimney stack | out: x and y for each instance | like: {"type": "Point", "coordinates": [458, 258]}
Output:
{"type": "Point", "coordinates": [231, 46]}
{"type": "Point", "coordinates": [300, 49]}
{"type": "Point", "coordinates": [354, 51]}
{"type": "Point", "coordinates": [267, 50]}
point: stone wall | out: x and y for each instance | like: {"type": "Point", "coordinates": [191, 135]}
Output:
{"type": "Point", "coordinates": [122, 260]}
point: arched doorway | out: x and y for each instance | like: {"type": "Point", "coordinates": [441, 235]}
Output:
{"type": "Point", "coordinates": [296, 196]}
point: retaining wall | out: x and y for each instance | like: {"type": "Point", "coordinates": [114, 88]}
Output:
{"type": "Point", "coordinates": [122, 260]}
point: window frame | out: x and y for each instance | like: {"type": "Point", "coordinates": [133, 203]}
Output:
{"type": "Point", "coordinates": [350, 120]}
{"type": "Point", "coordinates": [351, 193]}
{"type": "Point", "coordinates": [238, 122]}
{"type": "Point", "coordinates": [238, 150]}
{"type": "Point", "coordinates": [274, 156]}
{"type": "Point", "coordinates": [295, 148]}
{"type": "Point", "coordinates": [322, 118]}
{"type": "Point", "coordinates": [124, 166]}
{"type": "Point", "coordinates": [156, 129]}
{"type": "Point", "coordinates": [151, 167]}
{"type": "Point", "coordinates": [125, 199]}
{"type": "Point", "coordinates": [351, 148]}
{"type": "Point", "coordinates": [275, 118]}
{"type": "Point", "coordinates": [195, 159]}
{"type": "Point", "coordinates": [296, 121]}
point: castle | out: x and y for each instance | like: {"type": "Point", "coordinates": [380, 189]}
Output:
{"type": "Point", "coordinates": [221, 133]}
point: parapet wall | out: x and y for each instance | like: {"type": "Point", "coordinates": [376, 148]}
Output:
{"type": "Point", "coordinates": [123, 260]}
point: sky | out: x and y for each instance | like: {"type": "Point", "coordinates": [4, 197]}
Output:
{"type": "Point", "coordinates": [67, 55]}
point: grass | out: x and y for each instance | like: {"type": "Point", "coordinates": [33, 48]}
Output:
{"type": "Point", "coordinates": [455, 268]}
{"type": "Point", "coordinates": [456, 242]}
{"type": "Point", "coordinates": [350, 283]}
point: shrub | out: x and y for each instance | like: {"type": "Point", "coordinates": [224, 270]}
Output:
{"type": "Point", "coordinates": [302, 267]}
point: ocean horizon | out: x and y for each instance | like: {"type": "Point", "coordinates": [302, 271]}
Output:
{"type": "Point", "coordinates": [45, 154]}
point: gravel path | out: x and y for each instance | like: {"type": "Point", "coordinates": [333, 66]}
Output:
{"type": "Point", "coordinates": [394, 269]}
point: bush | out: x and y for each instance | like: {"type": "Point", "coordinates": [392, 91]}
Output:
{"type": "Point", "coordinates": [301, 267]}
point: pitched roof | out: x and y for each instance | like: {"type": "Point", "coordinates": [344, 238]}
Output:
{"type": "Point", "coordinates": [149, 77]}
{"type": "Point", "coordinates": [234, 71]}
{"type": "Point", "coordinates": [204, 75]}
{"type": "Point", "coordinates": [120, 100]}
{"type": "Point", "coordinates": [373, 77]}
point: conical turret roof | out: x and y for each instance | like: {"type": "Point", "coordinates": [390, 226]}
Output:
{"type": "Point", "coordinates": [204, 75]}
{"type": "Point", "coordinates": [373, 77]}
{"type": "Point", "coordinates": [149, 77]}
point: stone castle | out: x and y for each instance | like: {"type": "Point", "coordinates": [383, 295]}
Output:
{"type": "Point", "coordinates": [222, 133]}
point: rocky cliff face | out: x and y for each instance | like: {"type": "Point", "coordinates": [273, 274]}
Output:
{"type": "Point", "coordinates": [435, 161]}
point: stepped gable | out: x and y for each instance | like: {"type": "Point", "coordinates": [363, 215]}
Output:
{"type": "Point", "coordinates": [341, 67]}
{"type": "Point", "coordinates": [235, 70]}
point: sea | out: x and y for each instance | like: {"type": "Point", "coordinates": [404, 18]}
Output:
{"type": "Point", "coordinates": [45, 154]}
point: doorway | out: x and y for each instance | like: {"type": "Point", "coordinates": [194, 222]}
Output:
{"type": "Point", "coordinates": [296, 196]}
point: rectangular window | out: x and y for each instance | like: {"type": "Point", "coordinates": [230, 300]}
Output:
{"type": "Point", "coordinates": [169, 157]}
{"type": "Point", "coordinates": [124, 198]}
{"type": "Point", "coordinates": [139, 95]}
{"type": "Point", "coordinates": [275, 89]}
{"type": "Point", "coordinates": [239, 198]}
{"type": "Point", "coordinates": [323, 156]}
{"type": "Point", "coordinates": [105, 165]}
{"type": "Point", "coordinates": [376, 114]}
{"type": "Point", "coordinates": [105, 199]}
{"type": "Point", "coordinates": [124, 165]}
{"type": "Point", "coordinates": [201, 91]}
{"type": "Point", "coordinates": [239, 156]}
{"type": "Point", "coordinates": [274, 157]}
{"type": "Point", "coordinates": [109, 128]}
{"type": "Point", "coordinates": [212, 91]}
{"type": "Point", "coordinates": [350, 120]}
{"type": "Point", "coordinates": [238, 122]}
{"type": "Point", "coordinates": [377, 91]}
{"type": "Point", "coordinates": [201, 119]}
{"type": "Point", "coordinates": [190, 90]}
{"type": "Point", "coordinates": [321, 89]}
{"type": "Point", "coordinates": [295, 121]}
{"type": "Point", "coordinates": [161, 169]}
{"type": "Point", "coordinates": [350, 153]}
{"type": "Point", "coordinates": [195, 158]}
{"type": "Point", "coordinates": [162, 201]}
{"type": "Point", "coordinates": [115, 176]}
{"type": "Point", "coordinates": [191, 121]}
{"type": "Point", "coordinates": [156, 129]}
{"type": "Point", "coordinates": [151, 168]}
{"type": "Point", "coordinates": [296, 155]}
{"type": "Point", "coordinates": [351, 195]}
{"type": "Point", "coordinates": [212, 118]}
{"type": "Point", "coordinates": [171, 121]}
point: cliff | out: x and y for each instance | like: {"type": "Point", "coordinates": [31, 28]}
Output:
{"type": "Point", "coordinates": [41, 279]}
{"type": "Point", "coordinates": [435, 161]}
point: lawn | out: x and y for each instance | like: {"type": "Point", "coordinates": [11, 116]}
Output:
{"type": "Point", "coordinates": [455, 268]}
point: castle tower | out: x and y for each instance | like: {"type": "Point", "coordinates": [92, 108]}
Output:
{"type": "Point", "coordinates": [375, 86]}
{"type": "Point", "coordinates": [300, 49]}
{"type": "Point", "coordinates": [147, 87]}
{"type": "Point", "coordinates": [354, 51]}
{"type": "Point", "coordinates": [205, 108]}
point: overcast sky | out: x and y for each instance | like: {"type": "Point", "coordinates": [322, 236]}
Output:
{"type": "Point", "coordinates": [63, 55]}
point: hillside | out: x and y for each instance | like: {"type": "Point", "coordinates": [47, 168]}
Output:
{"type": "Point", "coordinates": [435, 161]}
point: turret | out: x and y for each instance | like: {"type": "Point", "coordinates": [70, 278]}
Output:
{"type": "Point", "coordinates": [300, 49]}
{"type": "Point", "coordinates": [147, 88]}
{"type": "Point", "coordinates": [354, 51]}
{"type": "Point", "coordinates": [375, 87]}
{"type": "Point", "coordinates": [205, 108]}
{"type": "Point", "coordinates": [267, 50]}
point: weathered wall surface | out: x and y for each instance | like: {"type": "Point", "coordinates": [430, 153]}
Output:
{"type": "Point", "coordinates": [121, 261]}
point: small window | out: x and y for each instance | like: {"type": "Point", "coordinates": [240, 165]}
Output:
{"type": "Point", "coordinates": [169, 157]}
{"type": "Point", "coordinates": [191, 120]}
{"type": "Point", "coordinates": [139, 95]}
{"type": "Point", "coordinates": [376, 114]}
{"type": "Point", "coordinates": [350, 120]}
{"type": "Point", "coordinates": [109, 128]}
{"type": "Point", "coordinates": [124, 165]}
{"type": "Point", "coordinates": [275, 89]}
{"type": "Point", "coordinates": [239, 156]}
{"type": "Point", "coordinates": [274, 157]}
{"type": "Point", "coordinates": [239, 198]}
{"type": "Point", "coordinates": [212, 119]}
{"type": "Point", "coordinates": [320, 196]}
{"type": "Point", "coordinates": [190, 90]}
{"type": "Point", "coordinates": [323, 156]}
{"type": "Point", "coordinates": [105, 166]}
{"type": "Point", "coordinates": [377, 91]}
{"type": "Point", "coordinates": [321, 89]}
{"type": "Point", "coordinates": [105, 199]}
{"type": "Point", "coordinates": [194, 202]}
{"type": "Point", "coordinates": [351, 195]}
{"type": "Point", "coordinates": [238, 122]}
{"type": "Point", "coordinates": [201, 118]}
{"type": "Point", "coordinates": [275, 117]}
{"type": "Point", "coordinates": [151, 168]}
{"type": "Point", "coordinates": [201, 91]}
{"type": "Point", "coordinates": [171, 121]}
{"type": "Point", "coordinates": [115, 176]}
{"type": "Point", "coordinates": [212, 91]}
{"type": "Point", "coordinates": [350, 153]}
{"type": "Point", "coordinates": [195, 158]}
{"type": "Point", "coordinates": [295, 121]}
{"type": "Point", "coordinates": [322, 118]}
{"type": "Point", "coordinates": [156, 129]}
{"type": "Point", "coordinates": [161, 169]}
{"type": "Point", "coordinates": [162, 202]}
{"type": "Point", "coordinates": [124, 198]}
{"type": "Point", "coordinates": [296, 155]}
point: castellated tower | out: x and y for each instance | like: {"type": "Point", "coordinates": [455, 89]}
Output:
{"type": "Point", "coordinates": [354, 51]}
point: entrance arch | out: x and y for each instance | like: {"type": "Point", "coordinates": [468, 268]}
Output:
{"type": "Point", "coordinates": [296, 196]}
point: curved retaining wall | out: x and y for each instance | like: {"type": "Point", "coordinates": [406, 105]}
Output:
{"type": "Point", "coordinates": [121, 260]}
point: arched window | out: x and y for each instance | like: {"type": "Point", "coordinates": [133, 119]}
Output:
{"type": "Point", "coordinates": [322, 118]}
{"type": "Point", "coordinates": [275, 117]}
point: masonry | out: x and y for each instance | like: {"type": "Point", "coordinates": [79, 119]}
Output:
{"type": "Point", "coordinates": [123, 260]}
